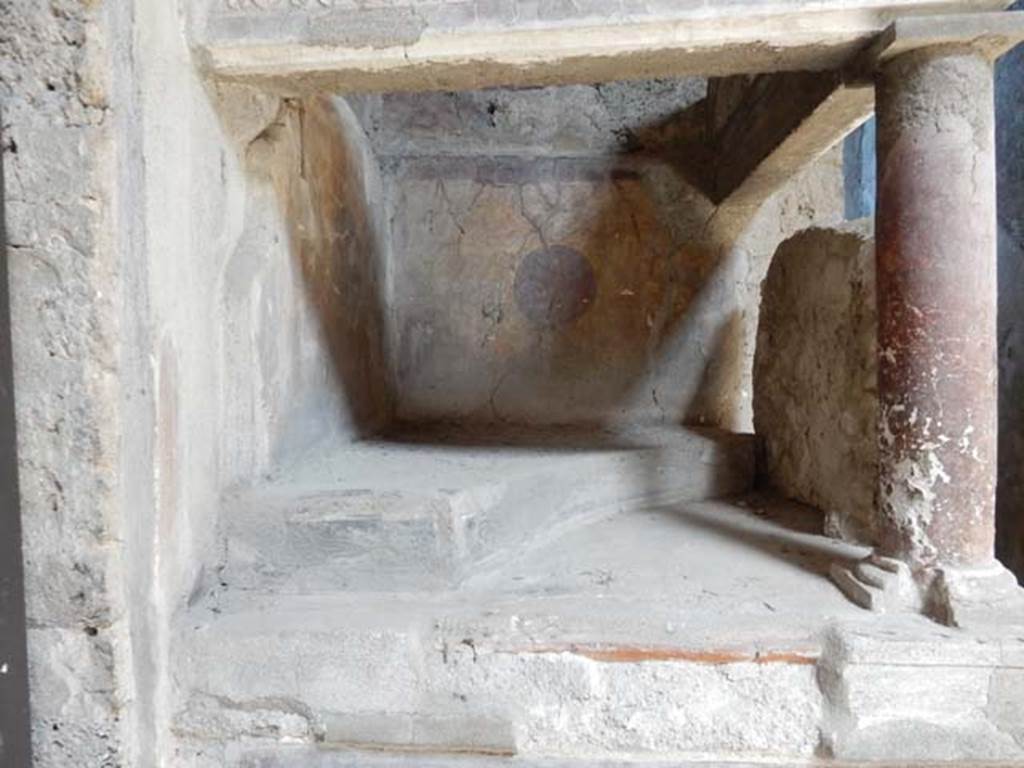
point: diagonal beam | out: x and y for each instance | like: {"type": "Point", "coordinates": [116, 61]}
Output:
{"type": "Point", "coordinates": [763, 130]}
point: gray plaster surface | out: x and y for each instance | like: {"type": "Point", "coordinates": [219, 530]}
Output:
{"type": "Point", "coordinates": [909, 688]}
{"type": "Point", "coordinates": [425, 509]}
{"type": "Point", "coordinates": [688, 562]}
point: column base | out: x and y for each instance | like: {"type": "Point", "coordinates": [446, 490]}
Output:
{"type": "Point", "coordinates": [956, 597]}
{"type": "Point", "coordinates": [880, 584]}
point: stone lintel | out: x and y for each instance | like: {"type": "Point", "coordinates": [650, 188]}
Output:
{"type": "Point", "coordinates": [991, 34]}
{"type": "Point", "coordinates": [339, 46]}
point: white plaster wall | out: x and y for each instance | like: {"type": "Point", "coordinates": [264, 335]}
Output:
{"type": "Point", "coordinates": [189, 200]}
{"type": "Point", "coordinates": [243, 232]}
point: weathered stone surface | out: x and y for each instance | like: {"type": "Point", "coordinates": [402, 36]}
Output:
{"type": "Point", "coordinates": [215, 719]}
{"type": "Point", "coordinates": [59, 158]}
{"type": "Point", "coordinates": [815, 396]}
{"type": "Point", "coordinates": [936, 287]}
{"type": "Point", "coordinates": [906, 687]}
{"type": "Point", "coordinates": [1005, 707]}
{"type": "Point", "coordinates": [263, 755]}
{"type": "Point", "coordinates": [79, 697]}
{"type": "Point", "coordinates": [481, 734]}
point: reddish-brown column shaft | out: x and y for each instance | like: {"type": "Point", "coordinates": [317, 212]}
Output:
{"type": "Point", "coordinates": [936, 259]}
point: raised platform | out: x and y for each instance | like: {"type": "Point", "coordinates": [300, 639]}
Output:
{"type": "Point", "coordinates": [690, 631]}
{"type": "Point", "coordinates": [423, 510]}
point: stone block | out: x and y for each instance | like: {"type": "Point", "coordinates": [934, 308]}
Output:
{"type": "Point", "coordinates": [815, 370]}
{"type": "Point", "coordinates": [908, 688]}
{"type": "Point", "coordinates": [374, 688]}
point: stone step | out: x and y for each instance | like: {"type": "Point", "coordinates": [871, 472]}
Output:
{"type": "Point", "coordinates": [423, 511]}
{"type": "Point", "coordinates": [524, 680]}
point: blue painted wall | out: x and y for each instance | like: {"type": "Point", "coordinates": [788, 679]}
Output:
{"type": "Point", "coordinates": [859, 172]}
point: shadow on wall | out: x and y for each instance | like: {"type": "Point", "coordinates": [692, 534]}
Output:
{"type": "Point", "coordinates": [671, 334]}
{"type": "Point", "coordinates": [674, 315]}
{"type": "Point", "coordinates": [605, 320]}
{"type": "Point", "coordinates": [562, 289]}
{"type": "Point", "coordinates": [303, 339]}
{"type": "Point", "coordinates": [341, 248]}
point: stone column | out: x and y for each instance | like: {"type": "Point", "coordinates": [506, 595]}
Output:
{"type": "Point", "coordinates": [935, 236]}
{"type": "Point", "coordinates": [935, 240]}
